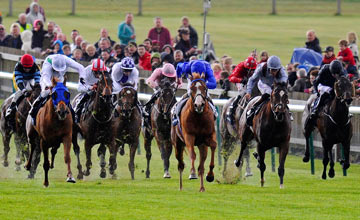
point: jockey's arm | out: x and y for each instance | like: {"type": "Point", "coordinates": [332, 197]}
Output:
{"type": "Point", "coordinates": [135, 77]}
{"type": "Point", "coordinates": [19, 80]}
{"type": "Point", "coordinates": [252, 80]}
{"type": "Point", "coordinates": [46, 74]}
{"type": "Point", "coordinates": [210, 78]}
{"type": "Point", "coordinates": [283, 77]}
{"type": "Point", "coordinates": [75, 65]}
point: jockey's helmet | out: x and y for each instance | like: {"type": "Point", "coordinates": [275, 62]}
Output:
{"type": "Point", "coordinates": [336, 67]}
{"type": "Point", "coordinates": [127, 63]}
{"type": "Point", "coordinates": [59, 63]}
{"type": "Point", "coordinates": [168, 70]}
{"type": "Point", "coordinates": [27, 61]}
{"type": "Point", "coordinates": [250, 63]}
{"type": "Point", "coordinates": [98, 65]}
{"type": "Point", "coordinates": [274, 63]}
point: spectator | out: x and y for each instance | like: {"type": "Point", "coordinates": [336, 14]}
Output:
{"type": "Point", "coordinates": [328, 56]}
{"type": "Point", "coordinates": [184, 44]}
{"type": "Point", "coordinates": [160, 33]}
{"type": "Point", "coordinates": [34, 14]}
{"type": "Point", "coordinates": [14, 39]}
{"type": "Point", "coordinates": [225, 84]}
{"type": "Point", "coordinates": [83, 46]}
{"type": "Point", "coordinates": [345, 55]}
{"type": "Point", "coordinates": [166, 58]}
{"type": "Point", "coordinates": [126, 32]}
{"type": "Point", "coordinates": [3, 36]}
{"type": "Point", "coordinates": [167, 48]}
{"type": "Point", "coordinates": [26, 37]}
{"type": "Point", "coordinates": [178, 57]}
{"type": "Point", "coordinates": [49, 37]}
{"type": "Point", "coordinates": [104, 44]}
{"type": "Point", "coordinates": [193, 58]}
{"type": "Point", "coordinates": [352, 39]}
{"type": "Point", "coordinates": [313, 74]}
{"type": "Point", "coordinates": [38, 35]}
{"type": "Point", "coordinates": [108, 60]}
{"type": "Point", "coordinates": [78, 41]}
{"type": "Point", "coordinates": [22, 22]}
{"type": "Point", "coordinates": [1, 18]}
{"type": "Point", "coordinates": [67, 50]}
{"type": "Point", "coordinates": [155, 46]}
{"type": "Point", "coordinates": [144, 58]}
{"type": "Point", "coordinates": [155, 61]}
{"type": "Point", "coordinates": [291, 71]}
{"type": "Point", "coordinates": [90, 53]}
{"type": "Point", "coordinates": [62, 37]}
{"type": "Point", "coordinates": [148, 45]}
{"type": "Point", "coordinates": [217, 71]}
{"type": "Point", "coordinates": [104, 34]}
{"type": "Point", "coordinates": [133, 52]}
{"type": "Point", "coordinates": [264, 56]}
{"type": "Point", "coordinates": [300, 83]}
{"type": "Point", "coordinates": [227, 64]}
{"type": "Point", "coordinates": [74, 34]}
{"type": "Point", "coordinates": [193, 33]}
{"type": "Point", "coordinates": [312, 42]}
{"type": "Point", "coordinates": [42, 12]}
{"type": "Point", "coordinates": [119, 52]}
{"type": "Point", "coordinates": [126, 52]}
{"type": "Point", "coordinates": [57, 47]}
{"type": "Point", "coordinates": [77, 55]}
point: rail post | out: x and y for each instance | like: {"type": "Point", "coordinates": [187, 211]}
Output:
{"type": "Point", "coordinates": [311, 142]}
{"type": "Point", "coordinates": [218, 136]}
{"type": "Point", "coordinates": [273, 159]}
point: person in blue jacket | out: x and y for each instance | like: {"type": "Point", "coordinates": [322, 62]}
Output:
{"type": "Point", "coordinates": [188, 68]}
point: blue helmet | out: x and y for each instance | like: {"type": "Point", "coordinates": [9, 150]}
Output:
{"type": "Point", "coordinates": [274, 62]}
{"type": "Point", "coordinates": [127, 63]}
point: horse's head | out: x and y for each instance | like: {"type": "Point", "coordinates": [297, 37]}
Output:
{"type": "Point", "coordinates": [61, 99]}
{"type": "Point", "coordinates": [344, 90]}
{"type": "Point", "coordinates": [279, 101]}
{"type": "Point", "coordinates": [127, 100]}
{"type": "Point", "coordinates": [198, 91]}
{"type": "Point", "coordinates": [35, 92]}
{"type": "Point", "coordinates": [104, 88]}
{"type": "Point", "coordinates": [167, 95]}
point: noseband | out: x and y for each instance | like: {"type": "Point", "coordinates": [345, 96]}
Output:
{"type": "Point", "coordinates": [199, 94]}
{"type": "Point", "coordinates": [123, 111]}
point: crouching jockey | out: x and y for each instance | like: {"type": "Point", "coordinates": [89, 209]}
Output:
{"type": "Point", "coordinates": [324, 86]}
{"type": "Point", "coordinates": [266, 74]}
{"type": "Point", "coordinates": [123, 73]}
{"type": "Point", "coordinates": [53, 66]}
{"type": "Point", "coordinates": [196, 66]}
{"type": "Point", "coordinates": [240, 76]}
{"type": "Point", "coordinates": [165, 74]}
{"type": "Point", "coordinates": [26, 71]}
{"type": "Point", "coordinates": [88, 84]}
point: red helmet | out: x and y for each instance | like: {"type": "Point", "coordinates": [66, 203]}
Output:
{"type": "Point", "coordinates": [27, 61]}
{"type": "Point", "coordinates": [250, 63]}
{"type": "Point", "coordinates": [98, 65]}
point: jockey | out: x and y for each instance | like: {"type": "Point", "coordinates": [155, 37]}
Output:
{"type": "Point", "coordinates": [242, 72]}
{"type": "Point", "coordinates": [26, 71]}
{"type": "Point", "coordinates": [53, 66]}
{"type": "Point", "coordinates": [266, 74]}
{"type": "Point", "coordinates": [154, 81]}
{"type": "Point", "coordinates": [196, 66]}
{"type": "Point", "coordinates": [324, 85]}
{"type": "Point", "coordinates": [88, 84]}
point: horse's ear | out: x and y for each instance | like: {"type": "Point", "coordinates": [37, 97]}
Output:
{"type": "Point", "coordinates": [53, 81]}
{"type": "Point", "coordinates": [336, 88]}
{"type": "Point", "coordinates": [202, 76]}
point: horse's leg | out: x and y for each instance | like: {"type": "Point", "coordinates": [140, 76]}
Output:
{"type": "Point", "coordinates": [346, 162]}
{"type": "Point", "coordinates": [88, 157]}
{"type": "Point", "coordinates": [46, 165]}
{"type": "Point", "coordinates": [147, 146]}
{"type": "Point", "coordinates": [247, 158]}
{"type": "Point", "coordinates": [227, 149]}
{"type": "Point", "coordinates": [53, 153]}
{"type": "Point", "coordinates": [331, 170]}
{"type": "Point", "coordinates": [35, 159]}
{"type": "Point", "coordinates": [179, 150]}
{"type": "Point", "coordinates": [18, 145]}
{"type": "Point", "coordinates": [167, 150]}
{"type": "Point", "coordinates": [76, 149]}
{"type": "Point", "coordinates": [203, 154]}
{"type": "Point", "coordinates": [101, 154]}
{"type": "Point", "coordinates": [189, 141]}
{"type": "Point", "coordinates": [284, 148]}
{"type": "Point", "coordinates": [326, 148]}
{"type": "Point", "coordinates": [32, 142]}
{"type": "Point", "coordinates": [213, 144]}
{"type": "Point", "coordinates": [113, 149]}
{"type": "Point", "coordinates": [131, 165]}
{"type": "Point", "coordinates": [6, 141]}
{"type": "Point", "coordinates": [67, 158]}
{"type": "Point", "coordinates": [306, 157]}
{"type": "Point", "coordinates": [262, 165]}
{"type": "Point", "coordinates": [239, 161]}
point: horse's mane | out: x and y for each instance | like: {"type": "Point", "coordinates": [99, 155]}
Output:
{"type": "Point", "coordinates": [196, 76]}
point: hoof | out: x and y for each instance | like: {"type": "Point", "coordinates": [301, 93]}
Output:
{"type": "Point", "coordinates": [121, 151]}
{"type": "Point", "coordinates": [70, 180]}
{"type": "Point", "coordinates": [323, 176]}
{"type": "Point", "coordinates": [306, 159]}
{"type": "Point", "coordinates": [114, 176]}
{"type": "Point", "coordinates": [193, 176]}
{"type": "Point", "coordinates": [30, 176]}
{"type": "Point", "coordinates": [166, 175]}
{"type": "Point", "coordinates": [247, 174]}
{"type": "Point", "coordinates": [282, 186]}
{"type": "Point", "coordinates": [46, 184]}
{"type": "Point", "coordinates": [18, 162]}
{"type": "Point", "coordinates": [86, 173]}
{"type": "Point", "coordinates": [331, 173]}
{"type": "Point", "coordinates": [80, 176]}
{"type": "Point", "coordinates": [209, 178]}
{"type": "Point", "coordinates": [202, 189]}
{"type": "Point", "coordinates": [102, 174]}
{"type": "Point", "coordinates": [6, 163]}
{"type": "Point", "coordinates": [262, 182]}
{"type": "Point", "coordinates": [345, 166]}
{"type": "Point", "coordinates": [237, 163]}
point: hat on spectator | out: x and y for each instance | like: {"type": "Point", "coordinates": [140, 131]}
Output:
{"type": "Point", "coordinates": [155, 42]}
{"type": "Point", "coordinates": [155, 55]}
{"type": "Point", "coordinates": [169, 70]}
{"type": "Point", "coordinates": [329, 49]}
{"type": "Point", "coordinates": [166, 57]}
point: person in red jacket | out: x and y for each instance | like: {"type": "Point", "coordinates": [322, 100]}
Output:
{"type": "Point", "coordinates": [328, 56]}
{"type": "Point", "coordinates": [240, 75]}
{"type": "Point", "coordinates": [345, 55]}
{"type": "Point", "coordinates": [160, 33]}
{"type": "Point", "coordinates": [144, 58]}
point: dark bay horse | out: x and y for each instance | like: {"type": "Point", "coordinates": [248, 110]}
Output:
{"type": "Point", "coordinates": [127, 126]}
{"type": "Point", "coordinates": [335, 126]}
{"type": "Point", "coordinates": [53, 126]}
{"type": "Point", "coordinates": [196, 128]}
{"type": "Point", "coordinates": [160, 127]}
{"type": "Point", "coordinates": [96, 125]}
{"type": "Point", "coordinates": [21, 143]}
{"type": "Point", "coordinates": [271, 128]}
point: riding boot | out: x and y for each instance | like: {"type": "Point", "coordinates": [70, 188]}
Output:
{"type": "Point", "coordinates": [230, 114]}
{"type": "Point", "coordinates": [255, 108]}
{"type": "Point", "coordinates": [35, 108]}
{"type": "Point", "coordinates": [80, 106]}
{"type": "Point", "coordinates": [177, 108]}
{"type": "Point", "coordinates": [318, 104]}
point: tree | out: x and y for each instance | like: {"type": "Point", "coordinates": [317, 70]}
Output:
{"type": "Point", "coordinates": [338, 7]}
{"type": "Point", "coordinates": [140, 8]}
{"type": "Point", "coordinates": [273, 7]}
{"type": "Point", "coordinates": [73, 7]}
{"type": "Point", "coordinates": [10, 8]}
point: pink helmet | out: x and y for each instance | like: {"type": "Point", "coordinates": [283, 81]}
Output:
{"type": "Point", "coordinates": [168, 70]}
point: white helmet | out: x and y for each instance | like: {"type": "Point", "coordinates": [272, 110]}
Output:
{"type": "Point", "coordinates": [59, 63]}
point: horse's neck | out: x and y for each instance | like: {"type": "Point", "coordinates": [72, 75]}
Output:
{"type": "Point", "coordinates": [98, 106]}
{"type": "Point", "coordinates": [339, 111]}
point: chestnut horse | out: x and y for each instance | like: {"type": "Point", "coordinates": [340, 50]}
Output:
{"type": "Point", "coordinates": [96, 125]}
{"type": "Point", "coordinates": [196, 127]}
{"type": "Point", "coordinates": [335, 126]}
{"type": "Point", "coordinates": [53, 126]}
{"type": "Point", "coordinates": [161, 126]}
{"type": "Point", "coordinates": [271, 128]}
{"type": "Point", "coordinates": [21, 143]}
{"type": "Point", "coordinates": [127, 126]}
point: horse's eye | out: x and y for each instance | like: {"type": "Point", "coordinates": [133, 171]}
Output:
{"type": "Point", "coordinates": [54, 95]}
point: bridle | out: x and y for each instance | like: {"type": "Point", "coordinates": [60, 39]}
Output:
{"type": "Point", "coordinates": [126, 108]}
{"type": "Point", "coordinates": [198, 94]}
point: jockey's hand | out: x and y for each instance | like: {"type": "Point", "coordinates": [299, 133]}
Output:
{"type": "Point", "coordinates": [247, 96]}
{"type": "Point", "coordinates": [94, 87]}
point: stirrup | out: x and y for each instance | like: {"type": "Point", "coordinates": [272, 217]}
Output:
{"type": "Point", "coordinates": [175, 121]}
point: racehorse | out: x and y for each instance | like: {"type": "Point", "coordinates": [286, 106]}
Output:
{"type": "Point", "coordinates": [334, 125]}
{"type": "Point", "coordinates": [196, 127]}
{"type": "Point", "coordinates": [127, 126]}
{"type": "Point", "coordinates": [21, 143]}
{"type": "Point", "coordinates": [96, 125]}
{"type": "Point", "coordinates": [161, 126]}
{"type": "Point", "coordinates": [53, 126]}
{"type": "Point", "coordinates": [271, 128]}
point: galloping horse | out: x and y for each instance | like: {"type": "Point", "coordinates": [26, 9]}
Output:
{"type": "Point", "coordinates": [271, 128]}
{"type": "Point", "coordinates": [53, 126]}
{"type": "Point", "coordinates": [127, 125]}
{"type": "Point", "coordinates": [196, 127]}
{"type": "Point", "coordinates": [334, 125]}
{"type": "Point", "coordinates": [21, 143]}
{"type": "Point", "coordinates": [161, 126]}
{"type": "Point", "coordinates": [96, 125]}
